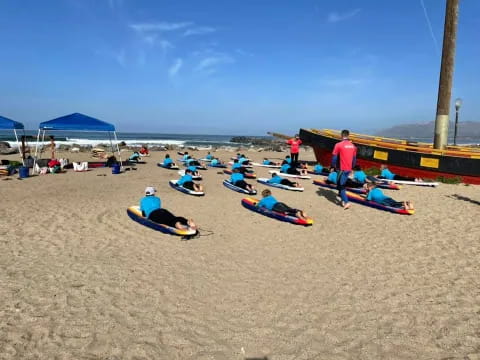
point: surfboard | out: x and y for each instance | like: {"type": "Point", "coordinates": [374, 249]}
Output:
{"type": "Point", "coordinates": [250, 204]}
{"type": "Point", "coordinates": [324, 184]}
{"type": "Point", "coordinates": [267, 166]}
{"type": "Point", "coordinates": [229, 185]}
{"type": "Point", "coordinates": [264, 181]}
{"type": "Point", "coordinates": [173, 184]}
{"type": "Point", "coordinates": [136, 215]}
{"type": "Point", "coordinates": [248, 175]}
{"type": "Point", "coordinates": [218, 166]}
{"type": "Point", "coordinates": [175, 167]}
{"type": "Point", "coordinates": [205, 159]}
{"type": "Point", "coordinates": [245, 166]}
{"type": "Point", "coordinates": [182, 172]}
{"type": "Point", "coordinates": [357, 198]}
{"type": "Point", "coordinates": [290, 175]}
{"type": "Point", "coordinates": [405, 182]}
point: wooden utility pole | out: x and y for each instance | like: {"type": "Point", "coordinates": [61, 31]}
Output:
{"type": "Point", "coordinates": [446, 75]}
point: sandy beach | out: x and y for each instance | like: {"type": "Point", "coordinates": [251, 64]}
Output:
{"type": "Point", "coordinates": [80, 280]}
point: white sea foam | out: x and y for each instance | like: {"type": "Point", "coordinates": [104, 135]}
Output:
{"type": "Point", "coordinates": [91, 142]}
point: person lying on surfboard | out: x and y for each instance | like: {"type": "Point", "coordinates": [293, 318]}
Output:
{"type": "Point", "coordinates": [333, 179]}
{"type": "Point", "coordinates": [191, 161]}
{"type": "Point", "coordinates": [209, 156]}
{"type": "Point", "coordinates": [289, 169]}
{"type": "Point", "coordinates": [359, 175]}
{"type": "Point", "coordinates": [279, 180]}
{"type": "Point", "coordinates": [168, 162]}
{"type": "Point", "coordinates": [151, 207]}
{"type": "Point", "coordinates": [187, 182]}
{"type": "Point", "coordinates": [287, 160]}
{"type": "Point", "coordinates": [237, 179]}
{"type": "Point", "coordinates": [243, 160]}
{"type": "Point", "coordinates": [185, 156]}
{"type": "Point", "coordinates": [270, 203]}
{"type": "Point", "coordinates": [318, 168]}
{"type": "Point", "coordinates": [387, 174]}
{"type": "Point", "coordinates": [193, 170]}
{"type": "Point", "coordinates": [236, 165]}
{"type": "Point", "coordinates": [215, 162]}
{"type": "Point", "coordinates": [376, 195]}
{"type": "Point", "coordinates": [269, 162]}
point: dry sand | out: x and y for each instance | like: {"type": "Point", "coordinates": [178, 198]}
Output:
{"type": "Point", "coordinates": [80, 280]}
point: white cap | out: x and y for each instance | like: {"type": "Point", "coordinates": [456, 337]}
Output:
{"type": "Point", "coordinates": [150, 190]}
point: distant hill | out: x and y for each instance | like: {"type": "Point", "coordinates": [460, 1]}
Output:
{"type": "Point", "coordinates": [467, 130]}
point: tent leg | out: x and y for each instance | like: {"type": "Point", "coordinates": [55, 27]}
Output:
{"type": "Point", "coordinates": [19, 148]}
{"type": "Point", "coordinates": [118, 149]}
{"type": "Point", "coordinates": [36, 152]}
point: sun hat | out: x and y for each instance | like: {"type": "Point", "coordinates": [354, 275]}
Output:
{"type": "Point", "coordinates": [150, 190]}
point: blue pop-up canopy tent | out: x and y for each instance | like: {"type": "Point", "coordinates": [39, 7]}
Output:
{"type": "Point", "coordinates": [9, 124]}
{"type": "Point", "coordinates": [77, 122]}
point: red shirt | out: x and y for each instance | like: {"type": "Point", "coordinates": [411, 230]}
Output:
{"type": "Point", "coordinates": [294, 145]}
{"type": "Point", "coordinates": [346, 152]}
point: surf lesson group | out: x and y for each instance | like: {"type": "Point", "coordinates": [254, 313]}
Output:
{"type": "Point", "coordinates": [343, 175]}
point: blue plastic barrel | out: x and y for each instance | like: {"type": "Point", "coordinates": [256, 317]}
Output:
{"type": "Point", "coordinates": [23, 172]}
{"type": "Point", "coordinates": [116, 169]}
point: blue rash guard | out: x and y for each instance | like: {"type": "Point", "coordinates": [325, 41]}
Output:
{"type": "Point", "coordinates": [284, 168]}
{"type": "Point", "coordinates": [318, 169]}
{"type": "Point", "coordinates": [360, 176]}
{"type": "Point", "coordinates": [236, 177]}
{"type": "Point", "coordinates": [275, 180]}
{"type": "Point", "coordinates": [267, 202]}
{"type": "Point", "coordinates": [387, 174]}
{"type": "Point", "coordinates": [333, 177]}
{"type": "Point", "coordinates": [185, 178]}
{"type": "Point", "coordinates": [242, 160]}
{"type": "Point", "coordinates": [149, 204]}
{"type": "Point", "coordinates": [288, 160]}
{"type": "Point", "coordinates": [185, 157]}
{"type": "Point", "coordinates": [192, 168]}
{"type": "Point", "coordinates": [214, 162]}
{"type": "Point", "coordinates": [167, 162]}
{"type": "Point", "coordinates": [266, 162]}
{"type": "Point", "coordinates": [236, 166]}
{"type": "Point", "coordinates": [134, 156]}
{"type": "Point", "coordinates": [376, 195]}
{"type": "Point", "coordinates": [209, 157]}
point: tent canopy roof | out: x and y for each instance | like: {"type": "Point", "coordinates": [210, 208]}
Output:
{"type": "Point", "coordinates": [76, 122]}
{"type": "Point", "coordinates": [8, 124]}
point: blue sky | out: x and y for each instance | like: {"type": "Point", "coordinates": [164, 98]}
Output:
{"type": "Point", "coordinates": [232, 67]}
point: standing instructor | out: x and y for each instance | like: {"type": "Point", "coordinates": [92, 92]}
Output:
{"type": "Point", "coordinates": [294, 148]}
{"type": "Point", "coordinates": [344, 159]}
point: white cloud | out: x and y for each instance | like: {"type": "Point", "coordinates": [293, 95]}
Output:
{"type": "Point", "coordinates": [160, 26]}
{"type": "Point", "coordinates": [175, 67]}
{"type": "Point", "coordinates": [210, 63]}
{"type": "Point", "coordinates": [200, 30]}
{"type": "Point", "coordinates": [335, 17]}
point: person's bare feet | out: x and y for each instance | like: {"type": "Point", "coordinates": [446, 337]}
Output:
{"type": "Point", "coordinates": [192, 225]}
{"type": "Point", "coordinates": [346, 206]}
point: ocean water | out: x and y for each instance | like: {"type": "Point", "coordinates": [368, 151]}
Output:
{"type": "Point", "coordinates": [132, 139]}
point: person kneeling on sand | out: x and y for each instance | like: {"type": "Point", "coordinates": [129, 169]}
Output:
{"type": "Point", "coordinates": [237, 179]}
{"type": "Point", "coordinates": [151, 207]}
{"type": "Point", "coordinates": [187, 182]}
{"type": "Point", "coordinates": [376, 195]}
{"type": "Point", "coordinates": [270, 203]}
